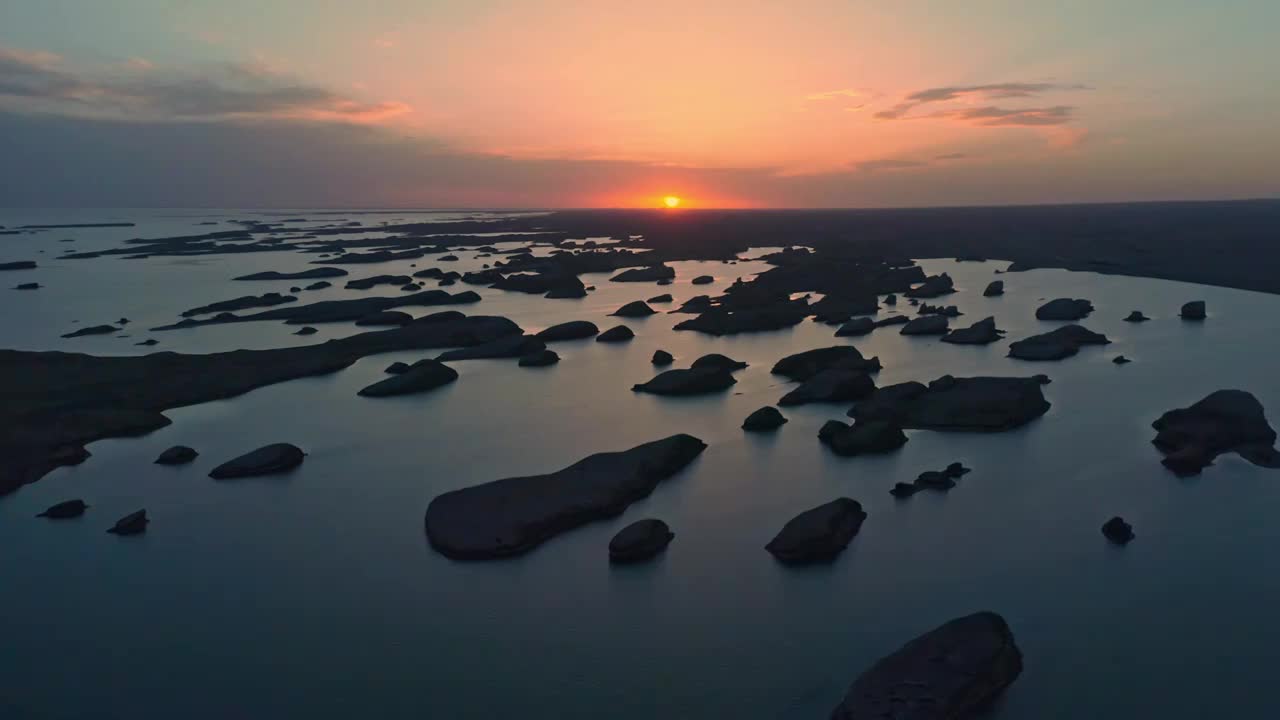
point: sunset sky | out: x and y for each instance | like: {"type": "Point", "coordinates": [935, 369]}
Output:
{"type": "Point", "coordinates": [544, 103]}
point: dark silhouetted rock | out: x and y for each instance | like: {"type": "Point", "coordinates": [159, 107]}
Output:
{"type": "Point", "coordinates": [385, 317]}
{"type": "Point", "coordinates": [148, 342]}
{"type": "Point", "coordinates": [370, 282]}
{"type": "Point", "coordinates": [448, 258]}
{"type": "Point", "coordinates": [396, 368]}
{"type": "Point", "coordinates": [93, 330]}
{"type": "Point", "coordinates": [1118, 531]}
{"type": "Point", "coordinates": [956, 470]}
{"type": "Point", "coordinates": [487, 276]}
{"type": "Point", "coordinates": [319, 285]}
{"type": "Point", "coordinates": [687, 382]}
{"type": "Point", "coordinates": [1057, 344]}
{"type": "Point", "coordinates": [511, 346]}
{"type": "Point", "coordinates": [947, 310]}
{"type": "Point", "coordinates": [307, 330]}
{"type": "Point", "coordinates": [420, 377]}
{"type": "Point", "coordinates": [953, 672]}
{"type": "Point", "coordinates": [818, 535]}
{"type": "Point", "coordinates": [541, 358]}
{"type": "Point", "coordinates": [1121, 360]}
{"type": "Point", "coordinates": [1064, 309]}
{"type": "Point", "coordinates": [942, 481]}
{"type": "Point", "coordinates": [665, 298]}
{"type": "Point", "coordinates": [1136, 316]}
{"type": "Point", "coordinates": [804, 365]}
{"type": "Point", "coordinates": [514, 515]}
{"type": "Point", "coordinates": [903, 490]}
{"type": "Point", "coordinates": [567, 292]}
{"type": "Point", "coordinates": [994, 289]}
{"type": "Point", "coordinates": [634, 310]}
{"type": "Point", "coordinates": [933, 286]}
{"type": "Point", "coordinates": [621, 333]}
{"type": "Point", "coordinates": [719, 321]}
{"type": "Point", "coordinates": [716, 360]}
{"type": "Point", "coordinates": [834, 384]}
{"type": "Point", "coordinates": [640, 541]}
{"type": "Point", "coordinates": [295, 289]}
{"type": "Point", "coordinates": [834, 309]}
{"type": "Point", "coordinates": [696, 305]}
{"type": "Point", "coordinates": [662, 357]}
{"type": "Point", "coordinates": [27, 286]}
{"type": "Point", "coordinates": [856, 327]}
{"type": "Point", "coordinates": [980, 333]}
{"type": "Point", "coordinates": [266, 460]}
{"type": "Point", "coordinates": [1224, 421]}
{"type": "Point", "coordinates": [890, 299]}
{"type": "Point", "coordinates": [19, 265]}
{"type": "Point", "coordinates": [645, 274]}
{"type": "Point", "coordinates": [572, 330]}
{"type": "Point", "coordinates": [131, 524]}
{"type": "Point", "coordinates": [324, 272]}
{"type": "Point", "coordinates": [862, 438]}
{"type": "Point", "coordinates": [703, 280]}
{"type": "Point", "coordinates": [1193, 310]}
{"type": "Point", "coordinates": [242, 303]}
{"type": "Point", "coordinates": [893, 320]}
{"type": "Point", "coordinates": [177, 455]}
{"type": "Point", "coordinates": [766, 418]}
{"type": "Point", "coordinates": [983, 404]}
{"type": "Point", "coordinates": [65, 510]}
{"type": "Point", "coordinates": [926, 325]}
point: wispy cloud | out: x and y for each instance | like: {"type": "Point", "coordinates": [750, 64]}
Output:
{"type": "Point", "coordinates": [909, 108]}
{"type": "Point", "coordinates": [40, 81]}
{"type": "Point", "coordinates": [951, 156]}
{"type": "Point", "coordinates": [887, 164]}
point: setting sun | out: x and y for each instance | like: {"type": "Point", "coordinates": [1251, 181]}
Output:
{"type": "Point", "coordinates": [671, 201]}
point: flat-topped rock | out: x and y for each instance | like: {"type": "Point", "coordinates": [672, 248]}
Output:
{"type": "Point", "coordinates": [952, 672]}
{"type": "Point", "coordinates": [385, 318]}
{"type": "Point", "coordinates": [572, 330]}
{"type": "Point", "coordinates": [645, 274]}
{"type": "Point", "coordinates": [933, 286]}
{"type": "Point", "coordinates": [1056, 344]}
{"type": "Point", "coordinates": [421, 376]}
{"type": "Point", "coordinates": [514, 515]}
{"type": "Point", "coordinates": [1224, 421]}
{"type": "Point", "coordinates": [376, 280]}
{"type": "Point", "coordinates": [834, 384]}
{"type": "Point", "coordinates": [634, 309]}
{"type": "Point", "coordinates": [926, 325]}
{"type": "Point", "coordinates": [541, 358]}
{"type": "Point", "coordinates": [804, 365]}
{"type": "Point", "coordinates": [621, 333]}
{"type": "Point", "coordinates": [266, 460]}
{"type": "Point", "coordinates": [177, 455]}
{"type": "Point", "coordinates": [1193, 311]}
{"type": "Point", "coordinates": [765, 419]}
{"type": "Point", "coordinates": [65, 510]}
{"type": "Point", "coordinates": [980, 333]}
{"type": "Point", "coordinates": [314, 273]}
{"type": "Point", "coordinates": [693, 381]}
{"type": "Point", "coordinates": [511, 346]}
{"type": "Point", "coordinates": [720, 321]}
{"type": "Point", "coordinates": [856, 327]}
{"type": "Point", "coordinates": [818, 534]}
{"type": "Point", "coordinates": [242, 303]}
{"type": "Point", "coordinates": [27, 286]}
{"type": "Point", "coordinates": [981, 404]}
{"type": "Point", "coordinates": [18, 265]}
{"type": "Point", "coordinates": [1064, 309]}
{"type": "Point", "coordinates": [716, 360]}
{"type": "Point", "coordinates": [640, 541]}
{"type": "Point", "coordinates": [703, 280]}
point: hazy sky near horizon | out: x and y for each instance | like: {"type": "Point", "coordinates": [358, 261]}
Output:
{"type": "Point", "coordinates": [817, 103]}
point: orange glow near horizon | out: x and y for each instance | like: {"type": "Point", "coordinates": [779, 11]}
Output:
{"type": "Point", "coordinates": [671, 201]}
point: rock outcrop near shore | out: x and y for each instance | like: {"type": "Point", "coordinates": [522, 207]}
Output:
{"type": "Point", "coordinates": [950, 673]}
{"type": "Point", "coordinates": [56, 402]}
{"type": "Point", "coordinates": [1224, 421]}
{"type": "Point", "coordinates": [266, 460]}
{"type": "Point", "coordinates": [514, 515]}
{"type": "Point", "coordinates": [1063, 342]}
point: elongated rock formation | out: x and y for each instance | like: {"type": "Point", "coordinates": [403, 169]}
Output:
{"type": "Point", "coordinates": [514, 515]}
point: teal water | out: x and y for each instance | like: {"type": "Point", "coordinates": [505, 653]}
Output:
{"type": "Point", "coordinates": [316, 595]}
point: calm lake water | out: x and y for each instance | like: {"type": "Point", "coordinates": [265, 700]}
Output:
{"type": "Point", "coordinates": [316, 595]}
